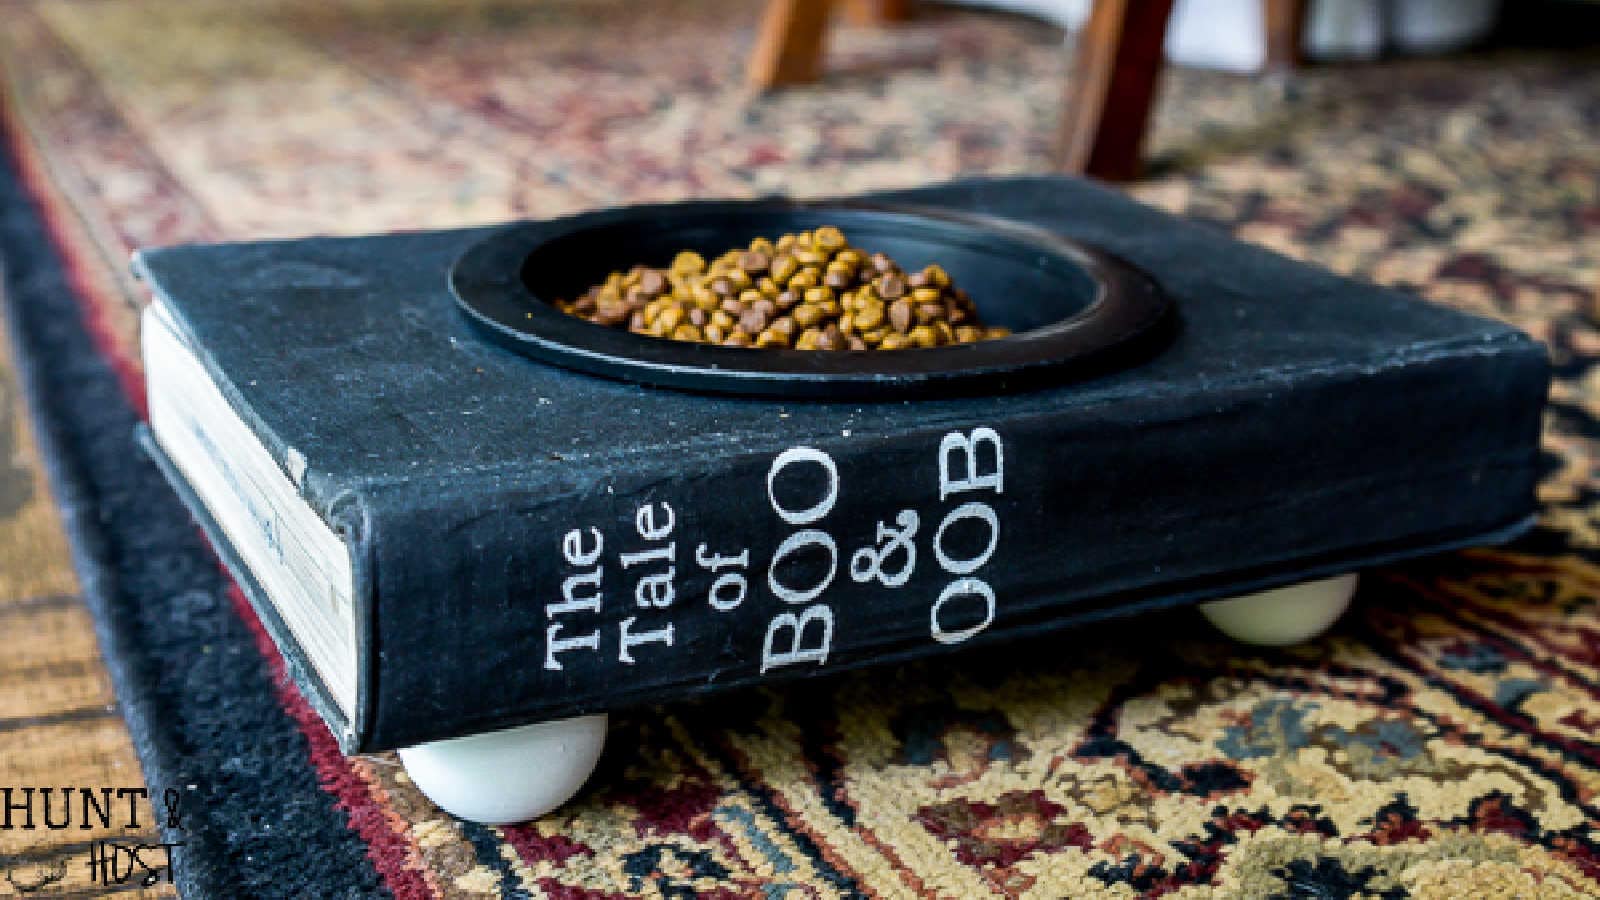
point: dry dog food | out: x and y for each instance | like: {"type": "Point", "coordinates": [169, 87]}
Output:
{"type": "Point", "coordinates": [809, 291]}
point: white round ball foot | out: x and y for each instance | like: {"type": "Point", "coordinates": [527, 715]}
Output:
{"type": "Point", "coordinates": [1283, 616]}
{"type": "Point", "coordinates": [507, 776]}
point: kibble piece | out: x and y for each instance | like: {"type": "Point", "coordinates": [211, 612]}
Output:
{"type": "Point", "coordinates": [610, 313]}
{"type": "Point", "coordinates": [923, 336]}
{"type": "Point", "coordinates": [688, 262]}
{"type": "Point", "coordinates": [754, 261]}
{"type": "Point", "coordinates": [900, 315]}
{"type": "Point", "coordinates": [807, 314]}
{"type": "Point", "coordinates": [869, 313]}
{"type": "Point", "coordinates": [754, 321]}
{"type": "Point", "coordinates": [891, 286]}
{"type": "Point", "coordinates": [669, 319]}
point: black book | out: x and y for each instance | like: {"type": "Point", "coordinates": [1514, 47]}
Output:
{"type": "Point", "coordinates": [446, 537]}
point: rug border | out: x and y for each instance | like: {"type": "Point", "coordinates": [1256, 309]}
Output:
{"type": "Point", "coordinates": [32, 263]}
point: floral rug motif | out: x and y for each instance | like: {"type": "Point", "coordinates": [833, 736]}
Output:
{"type": "Point", "coordinates": [1443, 741]}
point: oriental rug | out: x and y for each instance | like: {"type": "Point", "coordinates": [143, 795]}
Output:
{"type": "Point", "coordinates": [1443, 741]}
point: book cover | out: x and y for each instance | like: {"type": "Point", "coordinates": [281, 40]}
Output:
{"type": "Point", "coordinates": [526, 543]}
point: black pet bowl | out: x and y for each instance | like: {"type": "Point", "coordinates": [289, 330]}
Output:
{"type": "Point", "coordinates": [1074, 310]}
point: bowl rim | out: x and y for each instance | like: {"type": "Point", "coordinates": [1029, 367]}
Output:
{"type": "Point", "coordinates": [1128, 307]}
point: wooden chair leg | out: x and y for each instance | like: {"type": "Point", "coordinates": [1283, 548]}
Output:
{"type": "Point", "coordinates": [878, 12]}
{"type": "Point", "coordinates": [1285, 22]}
{"type": "Point", "coordinates": [789, 47]}
{"type": "Point", "coordinates": [1112, 89]}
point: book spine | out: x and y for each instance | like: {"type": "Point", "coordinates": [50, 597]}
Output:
{"type": "Point", "coordinates": [569, 594]}
{"type": "Point", "coordinates": [570, 588]}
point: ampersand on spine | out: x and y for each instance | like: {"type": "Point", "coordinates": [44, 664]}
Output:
{"type": "Point", "coordinates": [868, 562]}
